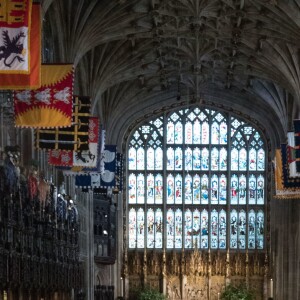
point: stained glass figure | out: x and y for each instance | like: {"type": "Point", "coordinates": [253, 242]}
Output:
{"type": "Point", "coordinates": [178, 159]}
{"type": "Point", "coordinates": [158, 189]}
{"type": "Point", "coordinates": [140, 228]}
{"type": "Point", "coordinates": [223, 189]}
{"type": "Point", "coordinates": [196, 189]}
{"type": "Point", "coordinates": [204, 159]}
{"type": "Point", "coordinates": [170, 228]}
{"type": "Point", "coordinates": [132, 228]}
{"type": "Point", "coordinates": [188, 188]}
{"type": "Point", "coordinates": [178, 189]}
{"type": "Point", "coordinates": [205, 133]}
{"type": "Point", "coordinates": [242, 189]}
{"type": "Point", "coordinates": [170, 189]}
{"type": "Point", "coordinates": [196, 228]}
{"type": "Point", "coordinates": [242, 159]}
{"type": "Point", "coordinates": [170, 159]}
{"type": "Point", "coordinates": [260, 189]}
{"type": "Point", "coordinates": [158, 228]}
{"type": "Point", "coordinates": [158, 159]}
{"type": "Point", "coordinates": [234, 189]}
{"type": "Point", "coordinates": [242, 230]}
{"type": "Point", "coordinates": [204, 189]}
{"type": "Point", "coordinates": [132, 189]}
{"type": "Point", "coordinates": [188, 228]}
{"type": "Point", "coordinates": [223, 159]}
{"type": "Point", "coordinates": [215, 132]}
{"type": "Point", "coordinates": [251, 229]}
{"type": "Point", "coordinates": [234, 159]}
{"type": "Point", "coordinates": [260, 230]}
{"type": "Point", "coordinates": [196, 132]}
{"type": "Point", "coordinates": [150, 158]}
{"type": "Point", "coordinates": [178, 228]}
{"type": "Point", "coordinates": [150, 189]}
{"type": "Point", "coordinates": [252, 159]}
{"type": "Point", "coordinates": [252, 189]}
{"type": "Point", "coordinates": [222, 229]}
{"type": "Point", "coordinates": [214, 161]}
{"type": "Point", "coordinates": [178, 133]}
{"type": "Point", "coordinates": [214, 189]}
{"type": "Point", "coordinates": [214, 229]}
{"type": "Point", "coordinates": [223, 133]}
{"type": "Point", "coordinates": [170, 133]}
{"type": "Point", "coordinates": [188, 158]}
{"type": "Point", "coordinates": [150, 228]}
{"type": "Point", "coordinates": [188, 133]}
{"type": "Point", "coordinates": [204, 229]}
{"type": "Point", "coordinates": [233, 229]}
{"type": "Point", "coordinates": [260, 160]}
{"type": "Point", "coordinates": [140, 189]}
{"type": "Point", "coordinates": [132, 159]}
{"type": "Point", "coordinates": [196, 159]}
{"type": "Point", "coordinates": [140, 161]}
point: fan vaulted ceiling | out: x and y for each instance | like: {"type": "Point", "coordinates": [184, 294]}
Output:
{"type": "Point", "coordinates": [135, 58]}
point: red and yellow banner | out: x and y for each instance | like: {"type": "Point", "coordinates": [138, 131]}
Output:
{"type": "Point", "coordinates": [49, 106]}
{"type": "Point", "coordinates": [20, 44]}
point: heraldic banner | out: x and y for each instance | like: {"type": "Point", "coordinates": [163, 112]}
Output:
{"type": "Point", "coordinates": [20, 44]}
{"type": "Point", "coordinates": [73, 138]}
{"type": "Point", "coordinates": [50, 106]}
{"type": "Point", "coordinates": [84, 158]}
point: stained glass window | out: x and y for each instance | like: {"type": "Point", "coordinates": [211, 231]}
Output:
{"type": "Point", "coordinates": [196, 179]}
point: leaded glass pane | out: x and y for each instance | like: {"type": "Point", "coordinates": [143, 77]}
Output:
{"type": "Point", "coordinates": [233, 229]}
{"type": "Point", "coordinates": [242, 230]}
{"type": "Point", "coordinates": [178, 189]}
{"type": "Point", "coordinates": [150, 159]}
{"type": "Point", "coordinates": [251, 230]}
{"type": "Point", "coordinates": [196, 182]}
{"type": "Point", "coordinates": [158, 228]}
{"type": "Point", "coordinates": [204, 229]}
{"type": "Point", "coordinates": [214, 229]}
{"type": "Point", "coordinates": [132, 228]}
{"type": "Point", "coordinates": [196, 159]}
{"type": "Point", "coordinates": [150, 228]}
{"type": "Point", "coordinates": [188, 185]}
{"type": "Point", "coordinates": [132, 189]}
{"type": "Point", "coordinates": [188, 228]}
{"type": "Point", "coordinates": [260, 189]}
{"type": "Point", "coordinates": [158, 189]}
{"type": "Point", "coordinates": [214, 189]}
{"type": "Point", "coordinates": [205, 133]}
{"type": "Point", "coordinates": [178, 228]}
{"type": "Point", "coordinates": [178, 159]}
{"type": "Point", "coordinates": [132, 159]}
{"type": "Point", "coordinates": [140, 159]}
{"type": "Point", "coordinates": [222, 229]}
{"type": "Point", "coordinates": [141, 228]}
{"type": "Point", "coordinates": [188, 133]}
{"type": "Point", "coordinates": [260, 230]}
{"type": "Point", "coordinates": [150, 189]}
{"type": "Point", "coordinates": [170, 228]}
{"type": "Point", "coordinates": [214, 159]}
{"type": "Point", "coordinates": [188, 159]}
{"type": "Point", "coordinates": [140, 188]}
{"type": "Point", "coordinates": [158, 159]}
{"type": "Point", "coordinates": [196, 189]}
{"type": "Point", "coordinates": [204, 189]}
{"type": "Point", "coordinates": [170, 189]}
{"type": "Point", "coordinates": [223, 189]}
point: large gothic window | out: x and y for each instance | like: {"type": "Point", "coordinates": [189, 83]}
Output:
{"type": "Point", "coordinates": [196, 178]}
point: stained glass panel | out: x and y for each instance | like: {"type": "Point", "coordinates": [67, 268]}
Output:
{"type": "Point", "coordinates": [198, 183]}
